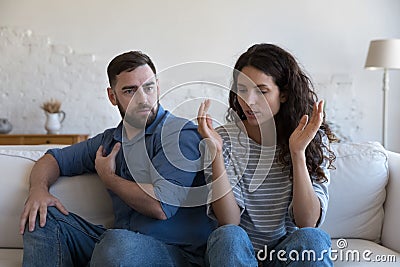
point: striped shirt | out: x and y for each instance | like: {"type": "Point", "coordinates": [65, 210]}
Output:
{"type": "Point", "coordinates": [262, 187]}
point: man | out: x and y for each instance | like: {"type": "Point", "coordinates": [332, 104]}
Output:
{"type": "Point", "coordinates": [151, 228]}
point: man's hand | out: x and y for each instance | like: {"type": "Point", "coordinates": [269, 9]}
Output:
{"type": "Point", "coordinates": [140, 198]}
{"type": "Point", "coordinates": [38, 201]}
{"type": "Point", "coordinates": [105, 165]}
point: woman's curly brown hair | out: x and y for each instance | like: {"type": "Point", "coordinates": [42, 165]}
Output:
{"type": "Point", "coordinates": [294, 83]}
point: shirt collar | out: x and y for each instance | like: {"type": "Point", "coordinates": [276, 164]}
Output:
{"type": "Point", "coordinates": [118, 132]}
{"type": "Point", "coordinates": [160, 114]}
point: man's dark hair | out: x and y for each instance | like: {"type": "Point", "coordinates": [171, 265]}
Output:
{"type": "Point", "coordinates": [128, 61]}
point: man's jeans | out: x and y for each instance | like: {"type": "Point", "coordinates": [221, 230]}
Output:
{"type": "Point", "coordinates": [119, 247]}
{"type": "Point", "coordinates": [63, 241]}
{"type": "Point", "coordinates": [229, 245]}
{"type": "Point", "coordinates": [67, 241]}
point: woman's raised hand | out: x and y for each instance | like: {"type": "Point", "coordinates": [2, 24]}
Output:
{"type": "Point", "coordinates": [306, 129]}
{"type": "Point", "coordinates": [206, 130]}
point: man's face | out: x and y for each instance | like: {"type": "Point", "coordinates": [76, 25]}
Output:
{"type": "Point", "coordinates": [136, 95]}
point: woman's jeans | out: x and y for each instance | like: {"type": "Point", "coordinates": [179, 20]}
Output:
{"type": "Point", "coordinates": [67, 241]}
{"type": "Point", "coordinates": [229, 245]}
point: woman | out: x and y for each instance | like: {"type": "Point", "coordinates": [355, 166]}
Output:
{"type": "Point", "coordinates": [269, 168]}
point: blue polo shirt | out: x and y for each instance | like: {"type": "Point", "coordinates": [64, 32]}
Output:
{"type": "Point", "coordinates": [167, 155]}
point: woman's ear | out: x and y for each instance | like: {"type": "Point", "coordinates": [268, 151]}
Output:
{"type": "Point", "coordinates": [111, 96]}
{"type": "Point", "coordinates": [283, 97]}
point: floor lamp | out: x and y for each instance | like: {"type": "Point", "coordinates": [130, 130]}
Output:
{"type": "Point", "coordinates": [384, 54]}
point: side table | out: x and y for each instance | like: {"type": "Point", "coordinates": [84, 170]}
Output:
{"type": "Point", "coordinates": [39, 139]}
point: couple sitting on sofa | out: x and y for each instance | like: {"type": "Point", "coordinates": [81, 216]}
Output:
{"type": "Point", "coordinates": [267, 188]}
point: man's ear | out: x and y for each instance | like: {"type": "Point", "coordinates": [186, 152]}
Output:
{"type": "Point", "coordinates": [283, 97]}
{"type": "Point", "coordinates": [111, 96]}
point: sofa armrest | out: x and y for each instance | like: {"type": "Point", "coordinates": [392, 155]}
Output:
{"type": "Point", "coordinates": [390, 231]}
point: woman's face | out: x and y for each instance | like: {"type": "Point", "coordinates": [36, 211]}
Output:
{"type": "Point", "coordinates": [258, 95]}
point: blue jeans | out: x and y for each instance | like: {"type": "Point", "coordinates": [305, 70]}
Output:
{"type": "Point", "coordinates": [64, 241]}
{"type": "Point", "coordinates": [119, 247]}
{"type": "Point", "coordinates": [229, 245]}
{"type": "Point", "coordinates": [67, 241]}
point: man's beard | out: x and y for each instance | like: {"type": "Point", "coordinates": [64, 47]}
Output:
{"type": "Point", "coordinates": [138, 122]}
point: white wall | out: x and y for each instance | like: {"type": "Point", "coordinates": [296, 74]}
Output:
{"type": "Point", "coordinates": [62, 48]}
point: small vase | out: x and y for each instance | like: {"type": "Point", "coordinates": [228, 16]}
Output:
{"type": "Point", "coordinates": [5, 126]}
{"type": "Point", "coordinates": [53, 122]}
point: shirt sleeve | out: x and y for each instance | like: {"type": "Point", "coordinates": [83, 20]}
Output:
{"type": "Point", "coordinates": [320, 189]}
{"type": "Point", "coordinates": [78, 158]}
{"type": "Point", "coordinates": [176, 166]}
{"type": "Point", "coordinates": [233, 176]}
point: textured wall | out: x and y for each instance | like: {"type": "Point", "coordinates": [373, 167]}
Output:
{"type": "Point", "coordinates": [342, 106]}
{"type": "Point", "coordinates": [33, 70]}
{"type": "Point", "coordinates": [330, 39]}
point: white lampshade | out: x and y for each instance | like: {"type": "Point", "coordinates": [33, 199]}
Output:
{"type": "Point", "coordinates": [383, 54]}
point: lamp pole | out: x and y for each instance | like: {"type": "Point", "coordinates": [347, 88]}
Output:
{"type": "Point", "coordinates": [385, 106]}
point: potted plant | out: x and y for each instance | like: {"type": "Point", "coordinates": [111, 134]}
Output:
{"type": "Point", "coordinates": [54, 115]}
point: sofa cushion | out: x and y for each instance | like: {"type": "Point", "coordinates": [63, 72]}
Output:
{"type": "Point", "coordinates": [14, 190]}
{"type": "Point", "coordinates": [357, 191]}
{"type": "Point", "coordinates": [11, 257]}
{"type": "Point", "coordinates": [390, 231]}
{"type": "Point", "coordinates": [359, 253]}
{"type": "Point", "coordinates": [84, 195]}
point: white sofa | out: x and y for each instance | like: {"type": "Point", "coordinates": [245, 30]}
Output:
{"type": "Point", "coordinates": [363, 216]}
